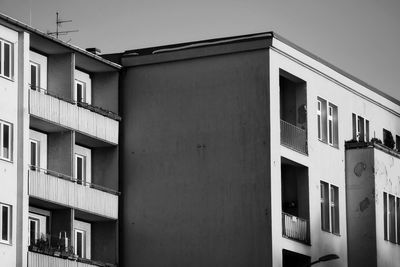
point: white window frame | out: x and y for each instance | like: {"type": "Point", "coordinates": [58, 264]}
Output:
{"type": "Point", "coordinates": [83, 244]}
{"type": "Point", "coordinates": [330, 130]}
{"type": "Point", "coordinates": [10, 140]}
{"type": "Point", "coordinates": [84, 97]}
{"type": "Point", "coordinates": [9, 221]}
{"type": "Point", "coordinates": [331, 204]}
{"type": "Point", "coordinates": [35, 87]}
{"type": "Point", "coordinates": [37, 229]}
{"type": "Point", "coordinates": [37, 154]}
{"type": "Point", "coordinates": [2, 62]}
{"type": "Point", "coordinates": [83, 175]}
{"type": "Point", "coordinates": [319, 119]}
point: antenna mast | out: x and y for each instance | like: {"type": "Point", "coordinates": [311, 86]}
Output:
{"type": "Point", "coordinates": [59, 23]}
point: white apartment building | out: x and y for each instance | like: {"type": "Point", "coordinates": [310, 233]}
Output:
{"type": "Point", "coordinates": [59, 152]}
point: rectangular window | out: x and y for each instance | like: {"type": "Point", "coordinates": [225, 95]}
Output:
{"type": "Point", "coordinates": [335, 209]}
{"type": "Point", "coordinates": [6, 59]}
{"type": "Point", "coordinates": [325, 206]}
{"type": "Point", "coordinates": [329, 208]}
{"type": "Point", "coordinates": [319, 119]}
{"type": "Point", "coordinates": [392, 225]}
{"type": "Point", "coordinates": [398, 219]}
{"type": "Point", "coordinates": [330, 125]}
{"type": "Point", "coordinates": [5, 226]}
{"type": "Point", "coordinates": [80, 243]}
{"type": "Point", "coordinates": [34, 162]}
{"type": "Point", "coordinates": [385, 215]}
{"type": "Point", "coordinates": [35, 78]}
{"type": "Point", "coordinates": [80, 162]}
{"type": "Point", "coordinates": [5, 140]}
{"type": "Point", "coordinates": [360, 128]}
{"type": "Point", "coordinates": [34, 226]}
{"type": "Point", "coordinates": [80, 91]}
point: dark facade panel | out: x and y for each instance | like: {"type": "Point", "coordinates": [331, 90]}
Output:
{"type": "Point", "coordinates": [195, 162]}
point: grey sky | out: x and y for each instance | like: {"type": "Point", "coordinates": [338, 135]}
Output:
{"type": "Point", "coordinates": [361, 37]}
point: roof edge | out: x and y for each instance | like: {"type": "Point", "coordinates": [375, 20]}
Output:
{"type": "Point", "coordinates": [70, 46]}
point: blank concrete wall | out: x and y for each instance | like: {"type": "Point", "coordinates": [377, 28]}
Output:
{"type": "Point", "coordinates": [105, 90]}
{"type": "Point", "coordinates": [105, 167]}
{"type": "Point", "coordinates": [104, 241]}
{"type": "Point", "coordinates": [61, 75]}
{"type": "Point", "coordinates": [59, 149]}
{"type": "Point", "coordinates": [195, 162]}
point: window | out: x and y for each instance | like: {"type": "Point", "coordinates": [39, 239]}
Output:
{"type": "Point", "coordinates": [5, 140]}
{"type": "Point", "coordinates": [388, 139]}
{"type": "Point", "coordinates": [327, 122]}
{"type": "Point", "coordinates": [391, 218]}
{"type": "Point", "coordinates": [35, 77]}
{"type": "Point", "coordinates": [33, 230]}
{"type": "Point", "coordinates": [6, 59]}
{"type": "Point", "coordinates": [35, 158]}
{"type": "Point", "coordinates": [5, 226]}
{"type": "Point", "coordinates": [329, 208]}
{"type": "Point", "coordinates": [80, 91]}
{"type": "Point", "coordinates": [319, 119]}
{"type": "Point", "coordinates": [80, 170]}
{"type": "Point", "coordinates": [80, 243]}
{"type": "Point", "coordinates": [360, 128]}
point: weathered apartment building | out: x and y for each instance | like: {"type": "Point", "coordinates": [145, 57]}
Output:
{"type": "Point", "coordinates": [240, 151]}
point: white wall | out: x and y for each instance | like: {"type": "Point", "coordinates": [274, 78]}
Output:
{"type": "Point", "coordinates": [42, 139]}
{"type": "Point", "coordinates": [42, 62]}
{"type": "Point", "coordinates": [8, 169]}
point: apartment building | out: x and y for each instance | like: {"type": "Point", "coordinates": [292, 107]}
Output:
{"type": "Point", "coordinates": [59, 152]}
{"type": "Point", "coordinates": [239, 151]}
{"type": "Point", "coordinates": [233, 154]}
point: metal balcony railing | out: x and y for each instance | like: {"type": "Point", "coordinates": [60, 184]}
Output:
{"type": "Point", "coordinates": [294, 137]}
{"type": "Point", "coordinates": [295, 228]}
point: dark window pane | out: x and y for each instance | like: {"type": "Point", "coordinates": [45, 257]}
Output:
{"type": "Point", "coordinates": [392, 236]}
{"type": "Point", "coordinates": [324, 207]}
{"type": "Point", "coordinates": [385, 214]}
{"type": "Point", "coordinates": [33, 154]}
{"type": "Point", "coordinates": [319, 126]}
{"type": "Point", "coordinates": [33, 77]}
{"type": "Point", "coordinates": [354, 127]}
{"type": "Point", "coordinates": [330, 132]}
{"type": "Point", "coordinates": [335, 209]}
{"type": "Point", "coordinates": [79, 244]}
{"type": "Point", "coordinates": [7, 60]}
{"type": "Point", "coordinates": [367, 130]}
{"type": "Point", "coordinates": [4, 224]}
{"type": "Point", "coordinates": [6, 141]}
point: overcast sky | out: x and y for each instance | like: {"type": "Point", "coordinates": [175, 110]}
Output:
{"type": "Point", "coordinates": [362, 37]}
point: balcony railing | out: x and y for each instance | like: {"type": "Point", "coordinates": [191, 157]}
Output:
{"type": "Point", "coordinates": [36, 259]}
{"type": "Point", "coordinates": [294, 137]}
{"type": "Point", "coordinates": [85, 118]}
{"type": "Point", "coordinates": [65, 190]}
{"type": "Point", "coordinates": [295, 228]}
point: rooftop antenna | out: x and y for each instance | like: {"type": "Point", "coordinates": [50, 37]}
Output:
{"type": "Point", "coordinates": [59, 23]}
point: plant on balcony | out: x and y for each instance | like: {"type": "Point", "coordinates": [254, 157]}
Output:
{"type": "Point", "coordinates": [376, 141]}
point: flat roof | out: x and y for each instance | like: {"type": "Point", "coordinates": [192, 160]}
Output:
{"type": "Point", "coordinates": [250, 37]}
{"type": "Point", "coordinates": [62, 43]}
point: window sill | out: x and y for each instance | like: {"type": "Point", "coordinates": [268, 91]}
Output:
{"type": "Point", "coordinates": [329, 232]}
{"type": "Point", "coordinates": [5, 243]}
{"type": "Point", "coordinates": [7, 78]}
{"type": "Point", "coordinates": [6, 160]}
{"type": "Point", "coordinates": [326, 143]}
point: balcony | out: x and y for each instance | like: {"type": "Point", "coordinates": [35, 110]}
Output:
{"type": "Point", "coordinates": [294, 137]}
{"type": "Point", "coordinates": [36, 259]}
{"type": "Point", "coordinates": [64, 190]}
{"type": "Point", "coordinates": [295, 228]}
{"type": "Point", "coordinates": [89, 120]}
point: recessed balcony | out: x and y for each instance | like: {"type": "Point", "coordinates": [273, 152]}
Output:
{"type": "Point", "coordinates": [84, 118]}
{"type": "Point", "coordinates": [295, 228]}
{"type": "Point", "coordinates": [67, 191]}
{"type": "Point", "coordinates": [293, 137]}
